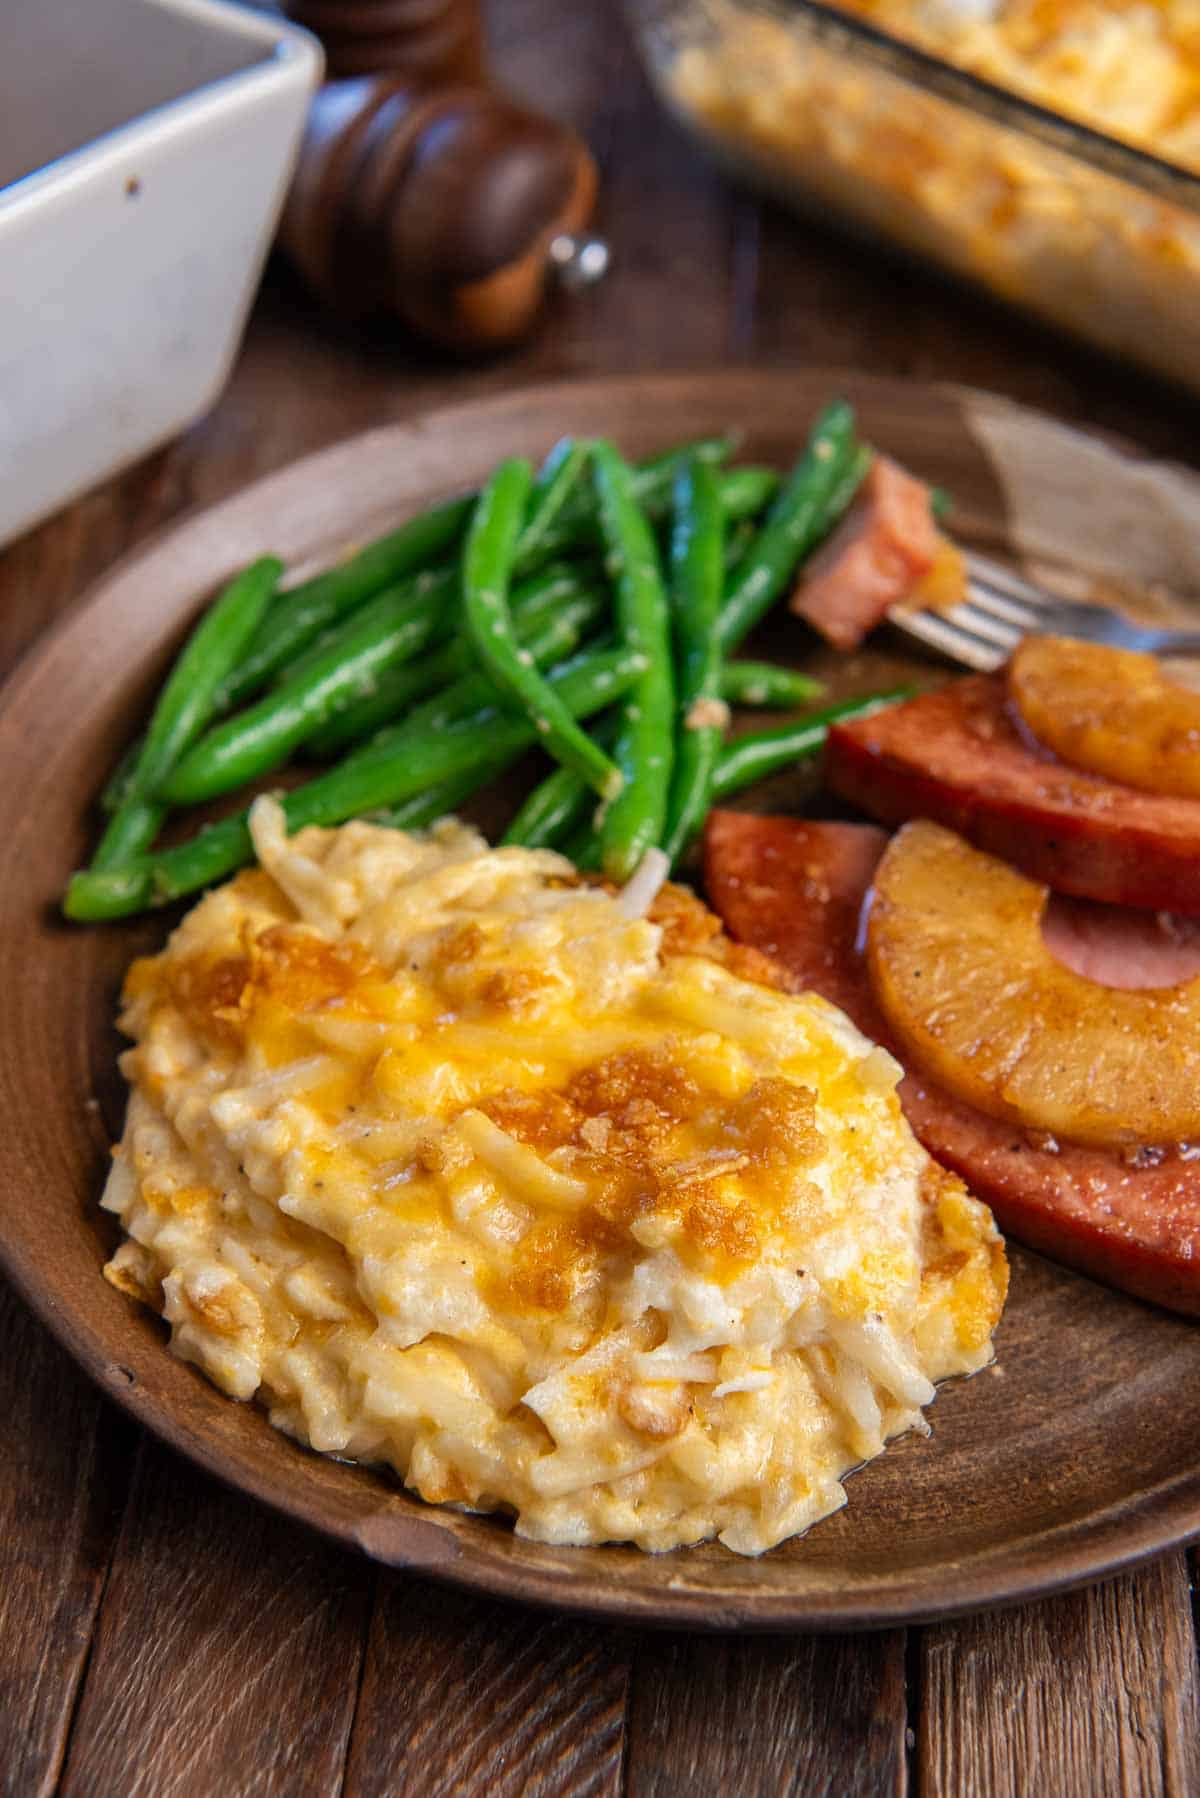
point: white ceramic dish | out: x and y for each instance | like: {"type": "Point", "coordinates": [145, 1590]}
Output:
{"type": "Point", "coordinates": [144, 158]}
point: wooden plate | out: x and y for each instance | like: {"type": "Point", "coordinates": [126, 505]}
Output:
{"type": "Point", "coordinates": [1077, 1455]}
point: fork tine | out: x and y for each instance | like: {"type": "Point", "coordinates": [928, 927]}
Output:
{"type": "Point", "coordinates": [1013, 613]}
{"type": "Point", "coordinates": [950, 639]}
{"type": "Point", "coordinates": [1013, 586]}
{"type": "Point", "coordinates": [976, 619]}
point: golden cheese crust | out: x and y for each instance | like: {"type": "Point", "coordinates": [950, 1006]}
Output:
{"type": "Point", "coordinates": [458, 1168]}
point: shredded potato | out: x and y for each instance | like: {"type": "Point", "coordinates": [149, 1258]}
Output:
{"type": "Point", "coordinates": [458, 1168]}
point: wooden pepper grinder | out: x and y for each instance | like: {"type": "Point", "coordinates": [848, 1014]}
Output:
{"type": "Point", "coordinates": [433, 40]}
{"type": "Point", "coordinates": [438, 200]}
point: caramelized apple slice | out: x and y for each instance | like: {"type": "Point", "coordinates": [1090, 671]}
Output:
{"type": "Point", "coordinates": [1110, 711]}
{"type": "Point", "coordinates": [964, 978]}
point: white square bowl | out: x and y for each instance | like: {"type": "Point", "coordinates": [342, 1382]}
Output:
{"type": "Point", "coordinates": [145, 155]}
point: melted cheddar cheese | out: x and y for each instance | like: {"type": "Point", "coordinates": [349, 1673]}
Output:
{"type": "Point", "coordinates": [458, 1168]}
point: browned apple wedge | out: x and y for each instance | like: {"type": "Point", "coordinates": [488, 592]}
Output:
{"type": "Point", "coordinates": [973, 995]}
{"type": "Point", "coordinates": [1110, 711]}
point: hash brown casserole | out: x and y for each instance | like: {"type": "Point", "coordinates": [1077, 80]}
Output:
{"type": "Point", "coordinates": [460, 1166]}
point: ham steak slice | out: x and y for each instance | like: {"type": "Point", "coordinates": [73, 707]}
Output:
{"type": "Point", "coordinates": [1120, 947]}
{"type": "Point", "coordinates": [887, 541]}
{"type": "Point", "coordinates": [958, 757]}
{"type": "Point", "coordinates": [795, 890]}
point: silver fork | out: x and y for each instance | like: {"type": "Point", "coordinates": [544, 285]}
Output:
{"type": "Point", "coordinates": [1002, 607]}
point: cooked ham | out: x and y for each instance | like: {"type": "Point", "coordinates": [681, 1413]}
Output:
{"type": "Point", "coordinates": [796, 890]}
{"type": "Point", "coordinates": [885, 544]}
{"type": "Point", "coordinates": [958, 757]}
{"type": "Point", "coordinates": [1117, 946]}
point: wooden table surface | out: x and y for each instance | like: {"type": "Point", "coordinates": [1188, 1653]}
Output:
{"type": "Point", "coordinates": [159, 1635]}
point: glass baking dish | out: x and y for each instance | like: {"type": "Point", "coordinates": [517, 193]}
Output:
{"type": "Point", "coordinates": [843, 120]}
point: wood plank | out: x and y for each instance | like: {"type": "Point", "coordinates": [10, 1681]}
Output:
{"type": "Point", "coordinates": [1091, 1694]}
{"type": "Point", "coordinates": [667, 215]}
{"type": "Point", "coordinates": [464, 1695]}
{"type": "Point", "coordinates": [227, 1653]}
{"type": "Point", "coordinates": [819, 297]}
{"type": "Point", "coordinates": [767, 1716]}
{"type": "Point", "coordinates": [65, 1461]}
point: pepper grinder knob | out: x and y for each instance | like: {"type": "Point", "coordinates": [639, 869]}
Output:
{"type": "Point", "coordinates": [426, 40]}
{"type": "Point", "coordinates": [451, 207]}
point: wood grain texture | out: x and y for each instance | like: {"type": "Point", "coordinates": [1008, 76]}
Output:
{"type": "Point", "coordinates": [63, 1477]}
{"type": "Point", "coordinates": [226, 1659]}
{"type": "Point", "coordinates": [1083, 1696]}
{"type": "Point", "coordinates": [462, 1695]}
{"type": "Point", "coordinates": [768, 1718]}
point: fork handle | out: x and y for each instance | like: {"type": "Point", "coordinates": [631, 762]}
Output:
{"type": "Point", "coordinates": [1172, 643]}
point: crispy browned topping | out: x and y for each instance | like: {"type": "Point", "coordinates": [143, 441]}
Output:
{"type": "Point", "coordinates": [543, 1120]}
{"type": "Point", "coordinates": [303, 971]}
{"type": "Point", "coordinates": [957, 1257]}
{"type": "Point", "coordinates": [547, 1263]}
{"type": "Point", "coordinates": [690, 928]}
{"type": "Point", "coordinates": [643, 1094]}
{"type": "Point", "coordinates": [775, 1123]}
{"type": "Point", "coordinates": [217, 993]}
{"type": "Point", "coordinates": [458, 946]}
{"type": "Point", "coordinates": [936, 1183]}
{"type": "Point", "coordinates": [617, 1120]}
{"type": "Point", "coordinates": [687, 924]}
{"type": "Point", "coordinates": [514, 989]}
{"type": "Point", "coordinates": [721, 1227]}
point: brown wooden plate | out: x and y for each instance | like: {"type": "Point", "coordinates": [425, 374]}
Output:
{"type": "Point", "coordinates": [1077, 1455]}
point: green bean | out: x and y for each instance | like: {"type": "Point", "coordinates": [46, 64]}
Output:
{"type": "Point", "coordinates": [576, 527]}
{"type": "Point", "coordinates": [437, 802]}
{"type": "Point", "coordinates": [738, 539]}
{"type": "Point", "coordinates": [634, 821]}
{"type": "Point", "coordinates": [654, 478]}
{"type": "Point", "coordinates": [97, 895]}
{"type": "Point", "coordinates": [941, 503]}
{"type": "Point", "coordinates": [394, 692]}
{"type": "Point", "coordinates": [487, 568]}
{"type": "Point", "coordinates": [801, 515]}
{"type": "Point", "coordinates": [765, 752]}
{"type": "Point", "coordinates": [534, 600]}
{"type": "Point", "coordinates": [373, 779]}
{"type": "Point", "coordinates": [402, 762]}
{"type": "Point", "coordinates": [655, 475]}
{"type": "Point", "coordinates": [438, 588]}
{"type": "Point", "coordinates": [767, 684]}
{"type": "Point", "coordinates": [557, 803]}
{"type": "Point", "coordinates": [747, 491]}
{"type": "Point", "coordinates": [302, 612]}
{"type": "Point", "coordinates": [185, 705]}
{"type": "Point", "coordinates": [559, 479]}
{"type": "Point", "coordinates": [130, 831]}
{"type": "Point", "coordinates": [119, 784]}
{"type": "Point", "coordinates": [547, 642]}
{"type": "Point", "coordinates": [845, 490]}
{"type": "Point", "coordinates": [697, 578]}
{"type": "Point", "coordinates": [390, 630]}
{"type": "Point", "coordinates": [583, 847]}
{"type": "Point", "coordinates": [555, 806]}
